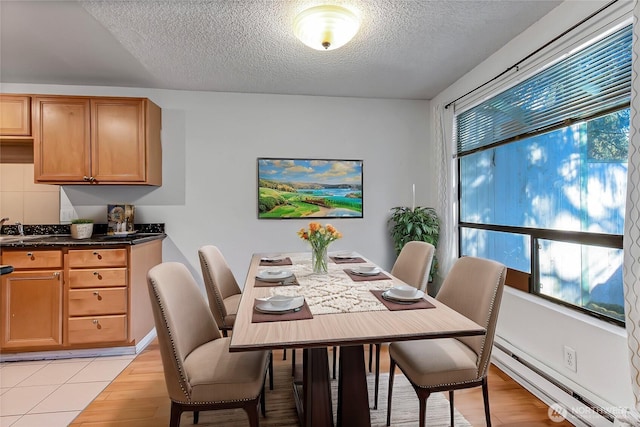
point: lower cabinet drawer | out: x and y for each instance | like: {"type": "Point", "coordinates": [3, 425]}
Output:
{"type": "Point", "coordinates": [97, 278]}
{"type": "Point", "coordinates": [100, 257]}
{"type": "Point", "coordinates": [97, 329]}
{"type": "Point", "coordinates": [87, 302]}
{"type": "Point", "coordinates": [32, 258]}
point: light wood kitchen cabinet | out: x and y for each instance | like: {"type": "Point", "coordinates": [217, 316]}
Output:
{"type": "Point", "coordinates": [98, 299]}
{"type": "Point", "coordinates": [102, 302]}
{"type": "Point", "coordinates": [97, 140]}
{"type": "Point", "coordinates": [15, 116]}
{"type": "Point", "coordinates": [32, 300]}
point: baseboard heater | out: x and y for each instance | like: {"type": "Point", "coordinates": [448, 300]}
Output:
{"type": "Point", "coordinates": [588, 404]}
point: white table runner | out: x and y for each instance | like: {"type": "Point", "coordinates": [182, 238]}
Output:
{"type": "Point", "coordinates": [333, 292]}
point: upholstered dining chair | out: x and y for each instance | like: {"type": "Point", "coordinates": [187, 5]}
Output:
{"type": "Point", "coordinates": [222, 289]}
{"type": "Point", "coordinates": [223, 292]}
{"type": "Point", "coordinates": [473, 287]}
{"type": "Point", "coordinates": [200, 372]}
{"type": "Point", "coordinates": [413, 264]}
{"type": "Point", "coordinates": [413, 267]}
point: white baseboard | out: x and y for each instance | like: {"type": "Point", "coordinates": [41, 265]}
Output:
{"type": "Point", "coordinates": [575, 411]}
{"type": "Point", "coordinates": [89, 352]}
{"type": "Point", "coordinates": [144, 342]}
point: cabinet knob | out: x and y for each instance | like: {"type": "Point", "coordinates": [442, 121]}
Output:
{"type": "Point", "coordinates": [31, 256]}
{"type": "Point", "coordinates": [97, 274]}
{"type": "Point", "coordinates": [85, 178]}
{"type": "Point", "coordinates": [95, 322]}
{"type": "Point", "coordinates": [98, 255]}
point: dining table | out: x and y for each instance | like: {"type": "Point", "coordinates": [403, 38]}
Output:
{"type": "Point", "coordinates": [344, 307]}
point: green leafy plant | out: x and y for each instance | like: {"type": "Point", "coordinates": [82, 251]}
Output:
{"type": "Point", "coordinates": [82, 221]}
{"type": "Point", "coordinates": [421, 224]}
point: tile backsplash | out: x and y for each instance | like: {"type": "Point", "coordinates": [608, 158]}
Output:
{"type": "Point", "coordinates": [22, 200]}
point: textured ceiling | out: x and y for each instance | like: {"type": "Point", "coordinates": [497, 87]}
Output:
{"type": "Point", "coordinates": [409, 49]}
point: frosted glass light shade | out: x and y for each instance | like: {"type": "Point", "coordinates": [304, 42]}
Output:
{"type": "Point", "coordinates": [326, 27]}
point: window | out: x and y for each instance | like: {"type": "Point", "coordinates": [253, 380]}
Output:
{"type": "Point", "coordinates": [543, 175]}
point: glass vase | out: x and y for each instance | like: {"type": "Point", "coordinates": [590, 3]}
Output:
{"type": "Point", "coordinates": [319, 260]}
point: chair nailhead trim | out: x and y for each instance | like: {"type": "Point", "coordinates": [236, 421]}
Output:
{"type": "Point", "coordinates": [216, 292]}
{"type": "Point", "coordinates": [183, 378]}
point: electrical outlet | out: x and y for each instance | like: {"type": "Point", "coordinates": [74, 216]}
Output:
{"type": "Point", "coordinates": [570, 361]}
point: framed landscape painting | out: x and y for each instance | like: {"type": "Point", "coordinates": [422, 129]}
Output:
{"type": "Point", "coordinates": [314, 188]}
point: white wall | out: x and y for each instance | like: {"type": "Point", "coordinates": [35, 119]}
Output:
{"type": "Point", "coordinates": [538, 330]}
{"type": "Point", "coordinates": [210, 145]}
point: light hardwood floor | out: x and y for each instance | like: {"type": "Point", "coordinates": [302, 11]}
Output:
{"type": "Point", "coordinates": [138, 397]}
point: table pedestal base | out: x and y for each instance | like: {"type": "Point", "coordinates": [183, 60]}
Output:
{"type": "Point", "coordinates": [313, 393]}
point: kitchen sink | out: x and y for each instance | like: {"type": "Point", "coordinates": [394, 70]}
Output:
{"type": "Point", "coordinates": [14, 239]}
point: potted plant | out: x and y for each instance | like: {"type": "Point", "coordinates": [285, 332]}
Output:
{"type": "Point", "coordinates": [419, 223]}
{"type": "Point", "coordinates": [81, 228]}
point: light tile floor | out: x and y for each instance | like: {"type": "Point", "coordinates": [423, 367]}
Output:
{"type": "Point", "coordinates": [53, 392]}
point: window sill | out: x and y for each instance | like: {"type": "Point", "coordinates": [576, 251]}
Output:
{"type": "Point", "coordinates": [585, 318]}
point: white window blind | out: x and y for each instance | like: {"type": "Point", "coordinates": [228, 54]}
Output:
{"type": "Point", "coordinates": [594, 80]}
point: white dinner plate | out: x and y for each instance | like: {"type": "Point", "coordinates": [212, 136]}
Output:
{"type": "Point", "coordinates": [361, 272]}
{"type": "Point", "coordinates": [346, 255]}
{"type": "Point", "coordinates": [274, 275]}
{"type": "Point", "coordinates": [272, 258]}
{"type": "Point", "coordinates": [265, 306]}
{"type": "Point", "coordinates": [389, 294]}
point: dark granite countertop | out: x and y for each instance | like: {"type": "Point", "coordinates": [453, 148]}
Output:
{"type": "Point", "coordinates": [35, 241]}
{"type": "Point", "coordinates": [59, 235]}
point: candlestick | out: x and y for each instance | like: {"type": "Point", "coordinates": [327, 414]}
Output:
{"type": "Point", "coordinates": [413, 203]}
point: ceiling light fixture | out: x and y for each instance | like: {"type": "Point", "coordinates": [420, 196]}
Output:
{"type": "Point", "coordinates": [326, 27]}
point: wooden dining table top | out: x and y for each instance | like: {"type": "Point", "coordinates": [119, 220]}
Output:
{"type": "Point", "coordinates": [340, 328]}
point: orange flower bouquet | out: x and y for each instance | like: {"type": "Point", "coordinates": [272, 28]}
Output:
{"type": "Point", "coordinates": [319, 238]}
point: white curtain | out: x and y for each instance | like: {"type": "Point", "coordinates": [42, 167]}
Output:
{"type": "Point", "coordinates": [631, 272]}
{"type": "Point", "coordinates": [447, 190]}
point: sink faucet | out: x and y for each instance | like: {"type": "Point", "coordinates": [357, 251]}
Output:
{"type": "Point", "coordinates": [3, 220]}
{"type": "Point", "coordinates": [20, 228]}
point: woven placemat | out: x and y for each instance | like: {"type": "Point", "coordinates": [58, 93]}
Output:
{"type": "Point", "coordinates": [393, 306]}
{"type": "Point", "coordinates": [303, 313]}
{"type": "Point", "coordinates": [361, 278]}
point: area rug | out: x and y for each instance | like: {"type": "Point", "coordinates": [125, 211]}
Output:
{"type": "Point", "coordinates": [281, 407]}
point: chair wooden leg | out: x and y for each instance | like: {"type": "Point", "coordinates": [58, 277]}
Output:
{"type": "Point", "coordinates": [485, 395]}
{"type": "Point", "coordinates": [270, 370]}
{"type": "Point", "coordinates": [293, 362]}
{"type": "Point", "coordinates": [423, 395]}
{"type": "Point", "coordinates": [252, 413]}
{"type": "Point", "coordinates": [370, 357]}
{"type": "Point", "coordinates": [377, 385]}
{"type": "Point", "coordinates": [284, 354]}
{"type": "Point", "coordinates": [451, 407]}
{"type": "Point", "coordinates": [263, 402]}
{"type": "Point", "coordinates": [392, 368]}
{"type": "Point", "coordinates": [176, 411]}
{"type": "Point", "coordinates": [196, 417]}
{"type": "Point", "coordinates": [335, 352]}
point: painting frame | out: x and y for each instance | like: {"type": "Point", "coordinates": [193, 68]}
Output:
{"type": "Point", "coordinates": [309, 188]}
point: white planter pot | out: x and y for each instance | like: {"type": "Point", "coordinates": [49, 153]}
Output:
{"type": "Point", "coordinates": [81, 231]}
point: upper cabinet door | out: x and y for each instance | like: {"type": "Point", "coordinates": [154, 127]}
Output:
{"type": "Point", "coordinates": [118, 140]}
{"type": "Point", "coordinates": [97, 140]}
{"type": "Point", "coordinates": [15, 116]}
{"type": "Point", "coordinates": [62, 139]}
